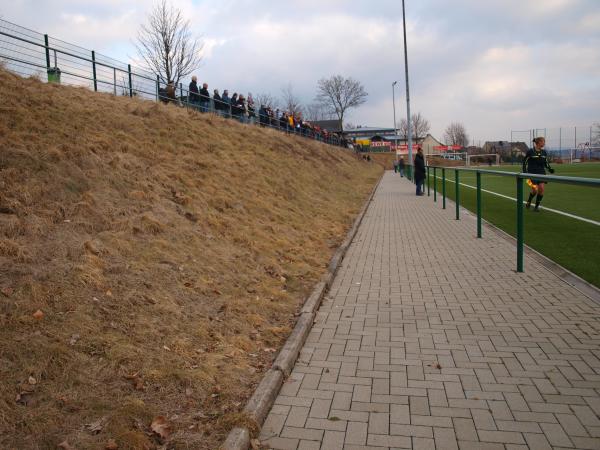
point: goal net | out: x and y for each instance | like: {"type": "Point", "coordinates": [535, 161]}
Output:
{"type": "Point", "coordinates": [487, 159]}
{"type": "Point", "coordinates": [447, 159]}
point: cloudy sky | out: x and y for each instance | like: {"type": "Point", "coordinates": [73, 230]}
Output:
{"type": "Point", "coordinates": [494, 65]}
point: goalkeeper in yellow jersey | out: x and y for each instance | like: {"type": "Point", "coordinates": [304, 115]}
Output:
{"type": "Point", "coordinates": [536, 162]}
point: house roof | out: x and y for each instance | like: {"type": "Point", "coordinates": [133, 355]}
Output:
{"type": "Point", "coordinates": [329, 125]}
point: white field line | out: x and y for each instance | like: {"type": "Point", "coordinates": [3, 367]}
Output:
{"type": "Point", "coordinates": [556, 211]}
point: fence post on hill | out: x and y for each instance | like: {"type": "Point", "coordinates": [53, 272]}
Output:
{"type": "Point", "coordinates": [478, 204]}
{"type": "Point", "coordinates": [181, 91]}
{"type": "Point", "coordinates": [47, 52]}
{"type": "Point", "coordinates": [157, 88]}
{"type": "Point", "coordinates": [443, 188]}
{"type": "Point", "coordinates": [520, 237]}
{"type": "Point", "coordinates": [457, 193]}
{"type": "Point", "coordinates": [115, 80]}
{"type": "Point", "coordinates": [130, 84]}
{"type": "Point", "coordinates": [94, 71]}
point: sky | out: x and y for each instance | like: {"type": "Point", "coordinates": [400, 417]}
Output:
{"type": "Point", "coordinates": [493, 65]}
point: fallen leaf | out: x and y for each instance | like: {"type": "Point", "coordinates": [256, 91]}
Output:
{"type": "Point", "coordinates": [38, 315]}
{"type": "Point", "coordinates": [109, 293]}
{"type": "Point", "coordinates": [166, 348]}
{"type": "Point", "coordinates": [66, 446]}
{"type": "Point", "coordinates": [111, 445]}
{"type": "Point", "coordinates": [255, 444]}
{"type": "Point", "coordinates": [31, 380]}
{"type": "Point", "coordinates": [269, 350]}
{"type": "Point", "coordinates": [161, 427]}
{"type": "Point", "coordinates": [334, 418]}
{"type": "Point", "coordinates": [96, 426]}
{"type": "Point", "coordinates": [6, 291]}
{"type": "Point", "coordinates": [74, 339]}
{"type": "Point", "coordinates": [438, 366]}
{"type": "Point", "coordinates": [139, 384]}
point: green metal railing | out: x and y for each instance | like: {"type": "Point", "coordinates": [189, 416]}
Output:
{"type": "Point", "coordinates": [519, 177]}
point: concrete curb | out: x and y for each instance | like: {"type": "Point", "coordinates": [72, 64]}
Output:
{"type": "Point", "coordinates": [264, 396]}
{"type": "Point", "coordinates": [261, 401]}
{"type": "Point", "coordinates": [291, 349]}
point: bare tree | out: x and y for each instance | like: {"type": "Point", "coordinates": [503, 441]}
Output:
{"type": "Point", "coordinates": [290, 102]}
{"type": "Point", "coordinates": [266, 99]}
{"type": "Point", "coordinates": [340, 94]}
{"type": "Point", "coordinates": [166, 45]}
{"type": "Point", "coordinates": [420, 126]}
{"type": "Point", "coordinates": [456, 134]}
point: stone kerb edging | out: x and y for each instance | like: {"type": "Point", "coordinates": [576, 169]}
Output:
{"type": "Point", "coordinates": [264, 396]}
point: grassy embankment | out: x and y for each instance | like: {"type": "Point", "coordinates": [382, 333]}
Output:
{"type": "Point", "coordinates": [571, 243]}
{"type": "Point", "coordinates": [151, 262]}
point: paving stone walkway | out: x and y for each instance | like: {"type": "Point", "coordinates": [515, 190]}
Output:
{"type": "Point", "coordinates": [429, 339]}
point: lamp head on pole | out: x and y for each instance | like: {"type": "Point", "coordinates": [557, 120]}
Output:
{"type": "Point", "coordinates": [394, 83]}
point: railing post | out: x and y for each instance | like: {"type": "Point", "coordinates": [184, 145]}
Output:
{"type": "Point", "coordinates": [157, 88]}
{"type": "Point", "coordinates": [94, 71]}
{"type": "Point", "coordinates": [181, 91]}
{"type": "Point", "coordinates": [130, 83]}
{"type": "Point", "coordinates": [47, 51]}
{"type": "Point", "coordinates": [115, 80]}
{"type": "Point", "coordinates": [428, 193]}
{"type": "Point", "coordinates": [520, 237]}
{"type": "Point", "coordinates": [457, 193]}
{"type": "Point", "coordinates": [478, 204]}
{"type": "Point", "coordinates": [443, 188]}
{"type": "Point", "coordinates": [434, 184]}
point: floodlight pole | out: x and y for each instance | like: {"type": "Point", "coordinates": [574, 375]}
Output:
{"type": "Point", "coordinates": [394, 104]}
{"type": "Point", "coordinates": [408, 122]}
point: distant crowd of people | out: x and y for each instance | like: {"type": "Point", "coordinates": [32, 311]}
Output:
{"type": "Point", "coordinates": [244, 109]}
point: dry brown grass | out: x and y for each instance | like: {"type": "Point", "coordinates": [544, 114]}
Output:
{"type": "Point", "coordinates": [168, 253]}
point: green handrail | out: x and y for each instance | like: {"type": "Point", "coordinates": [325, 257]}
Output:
{"type": "Point", "coordinates": [519, 177]}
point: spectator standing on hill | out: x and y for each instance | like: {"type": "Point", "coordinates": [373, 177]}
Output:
{"type": "Point", "coordinates": [251, 108]}
{"type": "Point", "coordinates": [420, 171]}
{"type": "Point", "coordinates": [204, 98]}
{"type": "Point", "coordinates": [536, 162]}
{"type": "Point", "coordinates": [171, 91]}
{"type": "Point", "coordinates": [234, 105]}
{"type": "Point", "coordinates": [401, 166]}
{"type": "Point", "coordinates": [263, 116]}
{"type": "Point", "coordinates": [193, 91]}
{"type": "Point", "coordinates": [217, 101]}
{"type": "Point", "coordinates": [226, 103]}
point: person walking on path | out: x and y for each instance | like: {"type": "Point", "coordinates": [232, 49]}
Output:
{"type": "Point", "coordinates": [401, 166]}
{"type": "Point", "coordinates": [536, 161]}
{"type": "Point", "coordinates": [420, 171]}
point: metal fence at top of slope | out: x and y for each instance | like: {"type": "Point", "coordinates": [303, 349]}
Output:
{"type": "Point", "coordinates": [30, 53]}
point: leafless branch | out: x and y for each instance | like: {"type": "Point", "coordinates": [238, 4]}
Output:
{"type": "Point", "coordinates": [340, 94]}
{"type": "Point", "coordinates": [166, 45]}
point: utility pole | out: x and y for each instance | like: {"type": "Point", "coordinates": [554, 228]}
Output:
{"type": "Point", "coordinates": [408, 121]}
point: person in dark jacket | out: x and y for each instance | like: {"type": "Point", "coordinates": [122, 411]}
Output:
{"type": "Point", "coordinates": [420, 171]}
{"type": "Point", "coordinates": [536, 161]}
{"type": "Point", "coordinates": [204, 98]}
{"type": "Point", "coordinates": [193, 92]}
{"type": "Point", "coordinates": [401, 166]}
{"type": "Point", "coordinates": [263, 116]}
{"type": "Point", "coordinates": [226, 105]}
{"type": "Point", "coordinates": [217, 101]}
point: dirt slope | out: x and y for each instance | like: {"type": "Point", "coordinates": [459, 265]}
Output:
{"type": "Point", "coordinates": [151, 261]}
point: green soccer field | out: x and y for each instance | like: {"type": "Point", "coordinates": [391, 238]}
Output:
{"type": "Point", "coordinates": [571, 242]}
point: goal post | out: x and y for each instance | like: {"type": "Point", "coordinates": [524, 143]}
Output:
{"type": "Point", "coordinates": [485, 159]}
